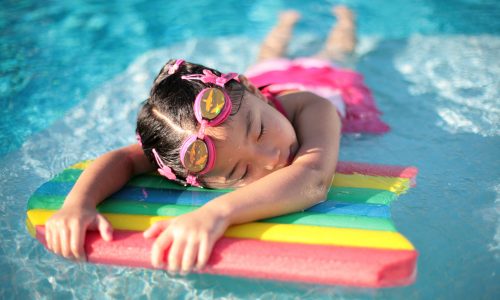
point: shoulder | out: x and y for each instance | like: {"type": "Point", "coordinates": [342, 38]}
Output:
{"type": "Point", "coordinates": [295, 102]}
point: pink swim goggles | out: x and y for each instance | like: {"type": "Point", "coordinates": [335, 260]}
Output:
{"type": "Point", "coordinates": [212, 107]}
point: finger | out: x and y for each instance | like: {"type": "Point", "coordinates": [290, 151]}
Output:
{"type": "Point", "coordinates": [155, 229]}
{"type": "Point", "coordinates": [175, 254]}
{"type": "Point", "coordinates": [104, 227]}
{"type": "Point", "coordinates": [161, 245]}
{"type": "Point", "coordinates": [48, 238]}
{"type": "Point", "coordinates": [64, 236]}
{"type": "Point", "coordinates": [206, 246]}
{"type": "Point", "coordinates": [77, 241]}
{"type": "Point", "coordinates": [190, 255]}
{"type": "Point", "coordinates": [54, 237]}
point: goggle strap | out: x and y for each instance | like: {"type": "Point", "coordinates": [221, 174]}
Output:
{"type": "Point", "coordinates": [209, 77]}
{"type": "Point", "coordinates": [201, 132]}
{"type": "Point", "coordinates": [164, 170]}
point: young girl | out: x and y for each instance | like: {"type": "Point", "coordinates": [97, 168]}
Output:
{"type": "Point", "coordinates": [278, 144]}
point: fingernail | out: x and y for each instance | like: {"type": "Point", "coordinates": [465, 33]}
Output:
{"type": "Point", "coordinates": [172, 271]}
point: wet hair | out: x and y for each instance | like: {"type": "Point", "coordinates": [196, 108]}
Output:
{"type": "Point", "coordinates": [167, 116]}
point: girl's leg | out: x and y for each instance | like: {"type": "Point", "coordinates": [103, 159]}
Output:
{"type": "Point", "coordinates": [276, 42]}
{"type": "Point", "coordinates": [341, 41]}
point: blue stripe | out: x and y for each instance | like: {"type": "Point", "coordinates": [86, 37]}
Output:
{"type": "Point", "coordinates": [357, 209]}
{"type": "Point", "coordinates": [167, 196]}
{"type": "Point", "coordinates": [198, 198]}
{"type": "Point", "coordinates": [54, 189]}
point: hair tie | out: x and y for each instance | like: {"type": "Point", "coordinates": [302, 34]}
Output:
{"type": "Point", "coordinates": [173, 68]}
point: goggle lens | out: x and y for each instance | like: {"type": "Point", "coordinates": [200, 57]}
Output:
{"type": "Point", "coordinates": [212, 103]}
{"type": "Point", "coordinates": [196, 156]}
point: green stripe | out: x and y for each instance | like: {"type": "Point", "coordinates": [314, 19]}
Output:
{"type": "Point", "coordinates": [340, 194]}
{"type": "Point", "coordinates": [46, 202]}
{"type": "Point", "coordinates": [153, 209]}
{"type": "Point", "coordinates": [158, 182]}
{"type": "Point", "coordinates": [146, 180]}
{"type": "Point", "coordinates": [68, 175]}
{"type": "Point", "coordinates": [332, 220]}
{"type": "Point", "coordinates": [361, 195]}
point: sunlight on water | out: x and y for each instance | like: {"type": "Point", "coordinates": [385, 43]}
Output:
{"type": "Point", "coordinates": [463, 70]}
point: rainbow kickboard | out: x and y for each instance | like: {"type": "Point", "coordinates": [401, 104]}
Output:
{"type": "Point", "coordinates": [347, 240]}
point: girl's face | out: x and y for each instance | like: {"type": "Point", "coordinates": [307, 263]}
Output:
{"type": "Point", "coordinates": [254, 142]}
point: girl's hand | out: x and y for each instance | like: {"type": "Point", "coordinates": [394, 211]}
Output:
{"type": "Point", "coordinates": [190, 238]}
{"type": "Point", "coordinates": [65, 230]}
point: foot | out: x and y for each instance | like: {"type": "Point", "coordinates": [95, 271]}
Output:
{"type": "Point", "coordinates": [344, 15]}
{"type": "Point", "coordinates": [341, 41]}
{"type": "Point", "coordinates": [277, 40]}
{"type": "Point", "coordinates": [289, 17]}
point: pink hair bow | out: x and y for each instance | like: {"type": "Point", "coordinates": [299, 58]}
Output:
{"type": "Point", "coordinates": [173, 68]}
{"type": "Point", "coordinates": [164, 170]}
{"type": "Point", "coordinates": [209, 77]}
{"type": "Point", "coordinates": [190, 179]}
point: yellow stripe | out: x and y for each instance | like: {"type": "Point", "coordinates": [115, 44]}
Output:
{"type": "Point", "coordinates": [393, 184]}
{"type": "Point", "coordinates": [81, 165]}
{"type": "Point", "coordinates": [267, 232]}
{"type": "Point", "coordinates": [30, 227]}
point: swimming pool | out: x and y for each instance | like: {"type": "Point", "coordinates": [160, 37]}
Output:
{"type": "Point", "coordinates": [73, 75]}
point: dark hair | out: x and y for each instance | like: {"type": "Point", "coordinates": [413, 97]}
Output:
{"type": "Point", "coordinates": [167, 116]}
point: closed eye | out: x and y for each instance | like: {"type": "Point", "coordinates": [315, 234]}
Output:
{"type": "Point", "coordinates": [244, 174]}
{"type": "Point", "coordinates": [262, 130]}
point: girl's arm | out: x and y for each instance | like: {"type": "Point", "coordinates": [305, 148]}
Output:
{"type": "Point", "coordinates": [307, 180]}
{"type": "Point", "coordinates": [107, 174]}
{"type": "Point", "coordinates": [65, 230]}
{"type": "Point", "coordinates": [296, 187]}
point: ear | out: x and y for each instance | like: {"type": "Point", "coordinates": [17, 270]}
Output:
{"type": "Point", "coordinates": [252, 88]}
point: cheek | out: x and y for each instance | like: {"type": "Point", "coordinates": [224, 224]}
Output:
{"type": "Point", "coordinates": [283, 127]}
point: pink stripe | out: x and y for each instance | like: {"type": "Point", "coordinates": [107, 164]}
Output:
{"type": "Point", "coordinates": [270, 260]}
{"type": "Point", "coordinates": [377, 170]}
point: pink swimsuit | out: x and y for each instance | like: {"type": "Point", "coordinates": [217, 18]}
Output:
{"type": "Point", "coordinates": [344, 88]}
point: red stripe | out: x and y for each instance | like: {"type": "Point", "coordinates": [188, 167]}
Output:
{"type": "Point", "coordinates": [270, 260]}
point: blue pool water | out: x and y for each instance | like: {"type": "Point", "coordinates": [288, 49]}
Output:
{"type": "Point", "coordinates": [72, 75]}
